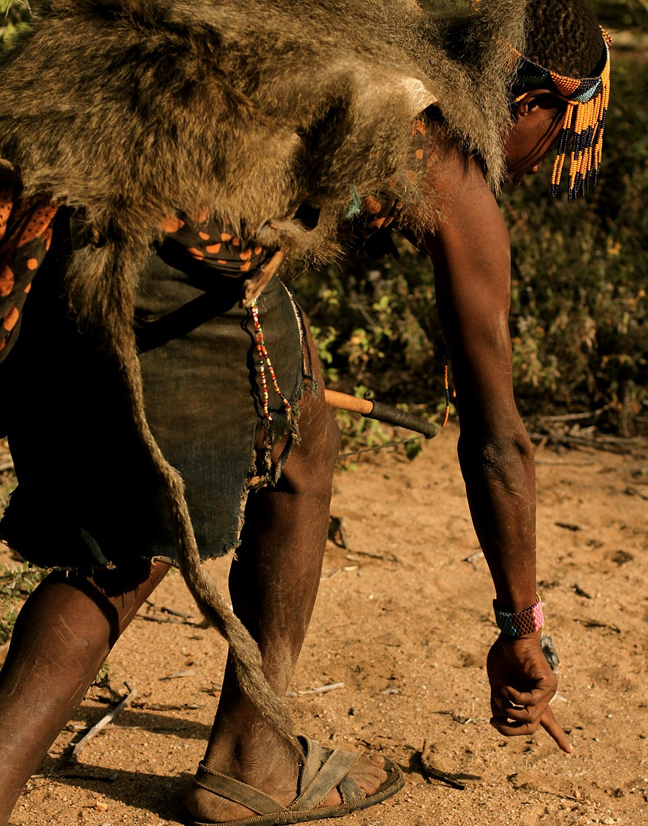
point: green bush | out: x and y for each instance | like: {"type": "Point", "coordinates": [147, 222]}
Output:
{"type": "Point", "coordinates": [579, 282]}
{"type": "Point", "coordinates": [16, 583]}
{"type": "Point", "coordinates": [14, 16]}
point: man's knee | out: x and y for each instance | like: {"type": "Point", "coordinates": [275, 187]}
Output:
{"type": "Point", "coordinates": [310, 467]}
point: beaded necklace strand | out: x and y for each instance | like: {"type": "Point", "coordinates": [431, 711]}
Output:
{"type": "Point", "coordinates": [264, 361]}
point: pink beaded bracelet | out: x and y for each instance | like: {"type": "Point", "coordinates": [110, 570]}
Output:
{"type": "Point", "coordinates": [524, 622]}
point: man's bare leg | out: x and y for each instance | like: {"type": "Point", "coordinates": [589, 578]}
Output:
{"type": "Point", "coordinates": [61, 639]}
{"type": "Point", "coordinates": [273, 585]}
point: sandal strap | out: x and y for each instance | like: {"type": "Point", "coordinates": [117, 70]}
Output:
{"type": "Point", "coordinates": [237, 792]}
{"type": "Point", "coordinates": [330, 774]}
{"type": "Point", "coordinates": [315, 755]}
{"type": "Point", "coordinates": [350, 791]}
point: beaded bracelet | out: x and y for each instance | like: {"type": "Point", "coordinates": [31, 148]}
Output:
{"type": "Point", "coordinates": [524, 622]}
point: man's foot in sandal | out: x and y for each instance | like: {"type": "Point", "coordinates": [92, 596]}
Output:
{"type": "Point", "coordinates": [328, 783]}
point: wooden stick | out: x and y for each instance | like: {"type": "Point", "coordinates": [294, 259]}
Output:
{"type": "Point", "coordinates": [343, 401]}
{"type": "Point", "coordinates": [575, 417]}
{"type": "Point", "coordinates": [381, 412]}
{"type": "Point", "coordinates": [175, 613]}
{"type": "Point", "coordinates": [322, 689]}
{"type": "Point", "coordinates": [386, 557]}
{"type": "Point", "coordinates": [612, 444]}
{"type": "Point", "coordinates": [633, 491]}
{"type": "Point", "coordinates": [105, 720]}
{"type": "Point", "coordinates": [169, 619]}
{"type": "Point", "coordinates": [177, 675]}
{"type": "Point", "coordinates": [432, 772]}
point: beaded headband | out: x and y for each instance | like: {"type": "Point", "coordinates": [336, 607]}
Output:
{"type": "Point", "coordinates": [584, 123]}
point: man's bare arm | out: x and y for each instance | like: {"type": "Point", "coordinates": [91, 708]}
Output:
{"type": "Point", "coordinates": [470, 251]}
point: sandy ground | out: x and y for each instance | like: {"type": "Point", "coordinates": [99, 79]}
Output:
{"type": "Point", "coordinates": [406, 625]}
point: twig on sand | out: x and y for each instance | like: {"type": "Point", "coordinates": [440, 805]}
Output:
{"type": "Point", "coordinates": [425, 759]}
{"type": "Point", "coordinates": [321, 689]}
{"type": "Point", "coordinates": [175, 613]}
{"type": "Point", "coordinates": [568, 526]}
{"type": "Point", "coordinates": [144, 704]}
{"type": "Point", "coordinates": [596, 624]}
{"type": "Point", "coordinates": [68, 775]}
{"type": "Point", "coordinates": [566, 462]}
{"type": "Point", "coordinates": [613, 444]}
{"type": "Point", "coordinates": [386, 557]}
{"type": "Point", "coordinates": [580, 592]}
{"type": "Point", "coordinates": [176, 620]}
{"type": "Point", "coordinates": [105, 720]}
{"type": "Point", "coordinates": [338, 535]}
{"type": "Point", "coordinates": [177, 675]}
{"type": "Point", "coordinates": [152, 608]}
{"type": "Point", "coordinates": [631, 490]}
{"type": "Point", "coordinates": [337, 532]}
{"type": "Point", "coordinates": [101, 778]}
{"type": "Point", "coordinates": [575, 417]}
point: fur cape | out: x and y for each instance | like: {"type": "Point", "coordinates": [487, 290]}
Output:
{"type": "Point", "coordinates": [134, 110]}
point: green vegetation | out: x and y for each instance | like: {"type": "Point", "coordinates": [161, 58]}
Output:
{"type": "Point", "coordinates": [16, 583]}
{"type": "Point", "coordinates": [7, 484]}
{"type": "Point", "coordinates": [580, 273]}
{"type": "Point", "coordinates": [622, 15]}
{"type": "Point", "coordinates": [14, 15]}
{"type": "Point", "coordinates": [579, 283]}
{"type": "Point", "coordinates": [102, 680]}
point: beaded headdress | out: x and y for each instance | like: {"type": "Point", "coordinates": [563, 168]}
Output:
{"type": "Point", "coordinates": [587, 104]}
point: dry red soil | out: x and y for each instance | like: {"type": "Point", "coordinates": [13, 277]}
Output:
{"type": "Point", "coordinates": [404, 622]}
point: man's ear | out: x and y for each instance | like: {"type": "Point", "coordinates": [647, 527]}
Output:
{"type": "Point", "coordinates": [534, 101]}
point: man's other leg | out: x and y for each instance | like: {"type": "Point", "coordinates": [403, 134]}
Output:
{"type": "Point", "coordinates": [60, 641]}
{"type": "Point", "coordinates": [273, 584]}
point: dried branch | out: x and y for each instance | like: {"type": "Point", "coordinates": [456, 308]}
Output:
{"type": "Point", "coordinates": [105, 720]}
{"type": "Point", "coordinates": [425, 756]}
{"type": "Point", "coordinates": [322, 689]}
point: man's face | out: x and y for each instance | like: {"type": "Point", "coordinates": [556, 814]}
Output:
{"type": "Point", "coordinates": [535, 132]}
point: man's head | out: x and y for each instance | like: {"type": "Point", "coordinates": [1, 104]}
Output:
{"type": "Point", "coordinates": [564, 36]}
{"type": "Point", "coordinates": [560, 93]}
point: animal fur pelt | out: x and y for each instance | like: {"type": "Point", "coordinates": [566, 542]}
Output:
{"type": "Point", "coordinates": [133, 110]}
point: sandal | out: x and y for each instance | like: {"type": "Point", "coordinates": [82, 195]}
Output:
{"type": "Point", "coordinates": [323, 770]}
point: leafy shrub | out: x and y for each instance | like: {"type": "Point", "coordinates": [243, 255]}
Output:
{"type": "Point", "coordinates": [16, 583]}
{"type": "Point", "coordinates": [579, 283]}
{"type": "Point", "coordinates": [14, 17]}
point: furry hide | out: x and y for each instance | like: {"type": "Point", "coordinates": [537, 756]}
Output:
{"type": "Point", "coordinates": [135, 109]}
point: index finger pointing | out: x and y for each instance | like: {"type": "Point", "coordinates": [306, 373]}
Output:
{"type": "Point", "coordinates": [553, 729]}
